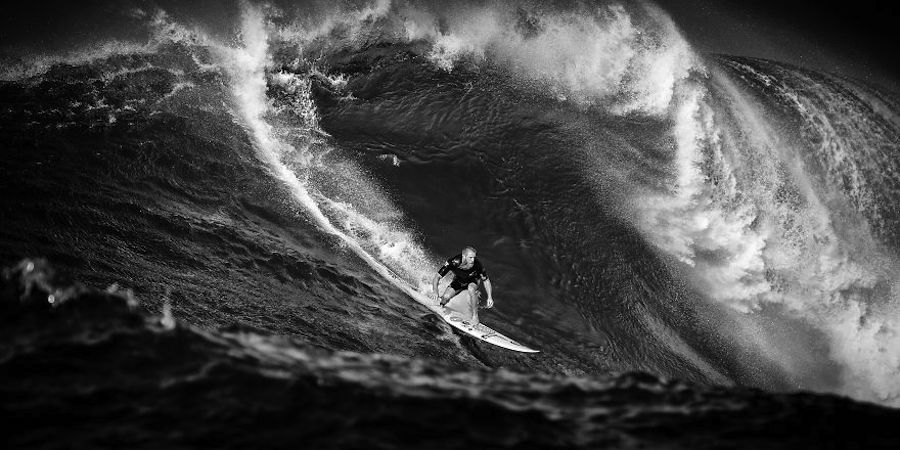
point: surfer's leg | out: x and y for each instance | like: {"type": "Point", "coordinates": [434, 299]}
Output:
{"type": "Point", "coordinates": [473, 302]}
{"type": "Point", "coordinates": [449, 293]}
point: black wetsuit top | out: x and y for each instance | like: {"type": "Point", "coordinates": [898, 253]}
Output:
{"type": "Point", "coordinates": [462, 277]}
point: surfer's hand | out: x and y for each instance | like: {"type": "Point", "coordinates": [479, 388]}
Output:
{"type": "Point", "coordinates": [490, 303]}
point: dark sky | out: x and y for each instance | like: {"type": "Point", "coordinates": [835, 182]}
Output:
{"type": "Point", "coordinates": [854, 38]}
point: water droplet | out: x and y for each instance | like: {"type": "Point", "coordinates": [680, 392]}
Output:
{"type": "Point", "coordinates": [167, 320]}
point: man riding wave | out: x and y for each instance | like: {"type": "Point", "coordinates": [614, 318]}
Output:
{"type": "Point", "coordinates": [467, 273]}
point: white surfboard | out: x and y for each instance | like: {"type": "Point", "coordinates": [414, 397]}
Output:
{"type": "Point", "coordinates": [458, 320]}
{"type": "Point", "coordinates": [483, 332]}
{"type": "Point", "coordinates": [452, 317]}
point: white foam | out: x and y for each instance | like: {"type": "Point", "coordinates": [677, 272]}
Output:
{"type": "Point", "coordinates": [377, 243]}
{"type": "Point", "coordinates": [38, 64]}
{"type": "Point", "coordinates": [588, 56]}
{"type": "Point", "coordinates": [749, 247]}
{"type": "Point", "coordinates": [691, 220]}
{"type": "Point", "coordinates": [162, 32]}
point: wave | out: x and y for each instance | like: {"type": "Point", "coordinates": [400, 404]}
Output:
{"type": "Point", "coordinates": [702, 219]}
{"type": "Point", "coordinates": [755, 213]}
{"type": "Point", "coordinates": [70, 350]}
{"type": "Point", "coordinates": [377, 242]}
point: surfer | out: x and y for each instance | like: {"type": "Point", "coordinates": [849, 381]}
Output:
{"type": "Point", "coordinates": [467, 273]}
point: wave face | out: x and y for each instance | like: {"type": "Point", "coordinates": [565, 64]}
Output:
{"type": "Point", "coordinates": [640, 208]}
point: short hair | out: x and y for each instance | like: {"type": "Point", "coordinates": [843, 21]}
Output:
{"type": "Point", "coordinates": [469, 248]}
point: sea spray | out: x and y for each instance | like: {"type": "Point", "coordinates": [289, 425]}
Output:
{"type": "Point", "coordinates": [376, 243]}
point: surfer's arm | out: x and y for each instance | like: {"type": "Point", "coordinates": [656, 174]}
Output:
{"type": "Point", "coordinates": [487, 288]}
{"type": "Point", "coordinates": [441, 273]}
{"type": "Point", "coordinates": [434, 283]}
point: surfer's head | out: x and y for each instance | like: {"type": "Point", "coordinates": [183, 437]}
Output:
{"type": "Point", "coordinates": [468, 255]}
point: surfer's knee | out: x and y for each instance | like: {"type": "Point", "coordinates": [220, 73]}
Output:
{"type": "Point", "coordinates": [448, 293]}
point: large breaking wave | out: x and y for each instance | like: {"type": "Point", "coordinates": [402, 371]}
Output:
{"type": "Point", "coordinates": [764, 191]}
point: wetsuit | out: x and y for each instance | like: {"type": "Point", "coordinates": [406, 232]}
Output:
{"type": "Point", "coordinates": [462, 277]}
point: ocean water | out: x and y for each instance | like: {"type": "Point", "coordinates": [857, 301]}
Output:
{"type": "Point", "coordinates": [196, 227]}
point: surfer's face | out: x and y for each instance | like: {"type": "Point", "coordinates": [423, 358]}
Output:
{"type": "Point", "coordinates": [468, 258]}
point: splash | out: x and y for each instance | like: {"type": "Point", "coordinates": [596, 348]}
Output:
{"type": "Point", "coordinates": [629, 62]}
{"type": "Point", "coordinates": [38, 64]}
{"type": "Point", "coordinates": [161, 31]}
{"type": "Point", "coordinates": [706, 228]}
{"type": "Point", "coordinates": [748, 214]}
{"type": "Point", "coordinates": [589, 56]}
{"type": "Point", "coordinates": [380, 244]}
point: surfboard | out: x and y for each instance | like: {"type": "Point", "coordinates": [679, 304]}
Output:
{"type": "Point", "coordinates": [452, 317]}
{"type": "Point", "coordinates": [457, 320]}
